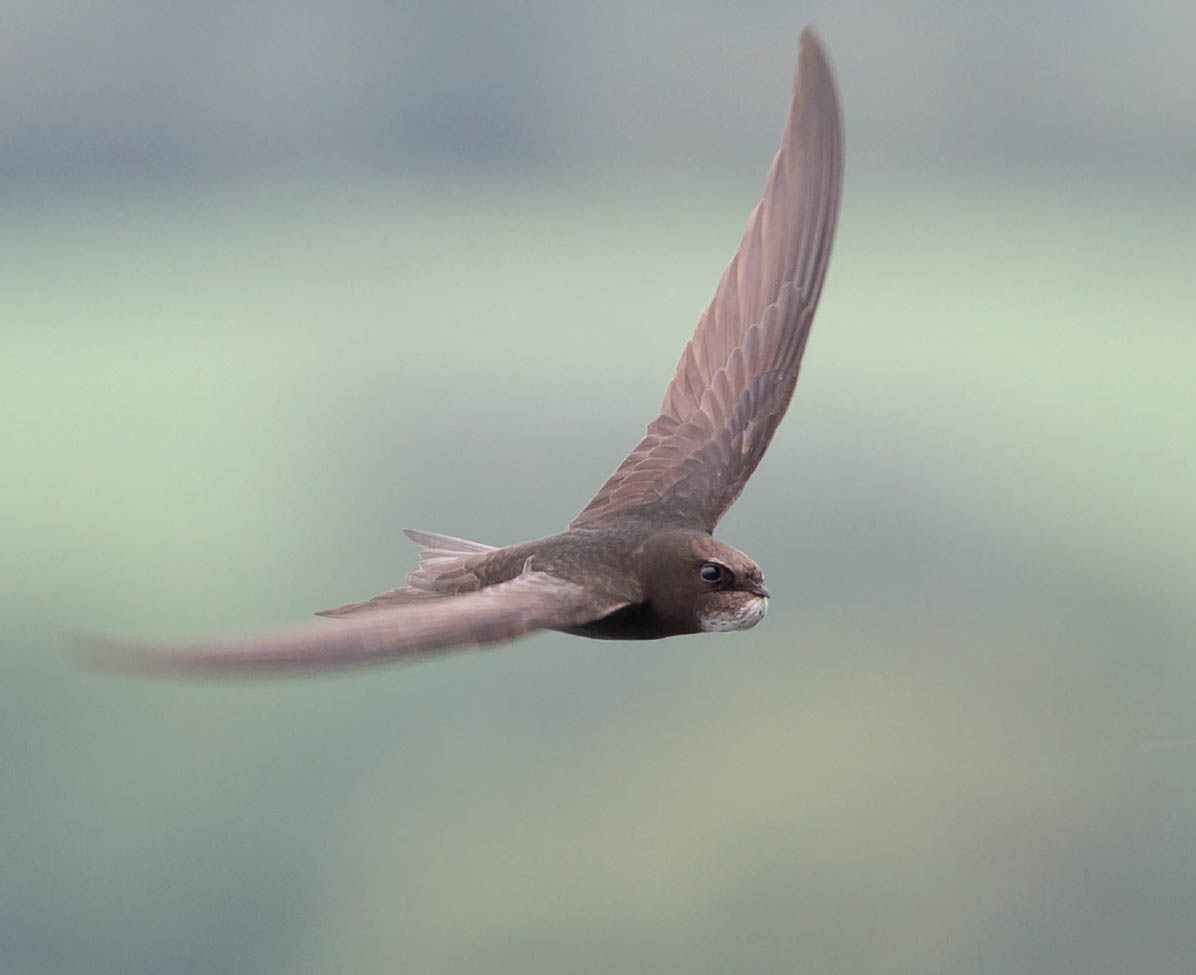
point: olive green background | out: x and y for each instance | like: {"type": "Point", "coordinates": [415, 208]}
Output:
{"type": "Point", "coordinates": [963, 740]}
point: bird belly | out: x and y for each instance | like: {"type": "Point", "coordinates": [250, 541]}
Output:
{"type": "Point", "coordinates": [636, 622]}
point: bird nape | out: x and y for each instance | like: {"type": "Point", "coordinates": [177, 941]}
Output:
{"type": "Point", "coordinates": [639, 561]}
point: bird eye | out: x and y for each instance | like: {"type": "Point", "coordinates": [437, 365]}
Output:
{"type": "Point", "coordinates": [710, 572]}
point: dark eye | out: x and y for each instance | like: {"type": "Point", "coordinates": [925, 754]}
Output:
{"type": "Point", "coordinates": [711, 572]}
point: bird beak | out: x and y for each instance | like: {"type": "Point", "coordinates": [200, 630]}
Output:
{"type": "Point", "coordinates": [758, 588]}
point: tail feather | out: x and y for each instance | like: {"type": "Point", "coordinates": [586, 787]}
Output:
{"type": "Point", "coordinates": [440, 557]}
{"type": "Point", "coordinates": [441, 569]}
{"type": "Point", "coordinates": [445, 543]}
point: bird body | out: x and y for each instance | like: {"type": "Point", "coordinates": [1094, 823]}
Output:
{"type": "Point", "coordinates": [651, 578]}
{"type": "Point", "coordinates": [639, 561]}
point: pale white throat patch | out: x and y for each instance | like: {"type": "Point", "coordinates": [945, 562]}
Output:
{"type": "Point", "coordinates": [741, 617]}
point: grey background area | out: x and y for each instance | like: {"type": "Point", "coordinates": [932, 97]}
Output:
{"type": "Point", "coordinates": [119, 91]}
{"type": "Point", "coordinates": [277, 281]}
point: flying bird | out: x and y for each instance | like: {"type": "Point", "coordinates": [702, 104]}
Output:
{"type": "Point", "coordinates": [639, 562]}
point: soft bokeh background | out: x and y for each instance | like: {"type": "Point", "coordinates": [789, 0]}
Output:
{"type": "Point", "coordinates": [279, 280]}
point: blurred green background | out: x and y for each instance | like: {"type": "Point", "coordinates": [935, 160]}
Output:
{"type": "Point", "coordinates": [276, 282]}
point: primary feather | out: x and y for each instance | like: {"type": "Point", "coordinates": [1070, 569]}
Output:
{"type": "Point", "coordinates": [738, 372]}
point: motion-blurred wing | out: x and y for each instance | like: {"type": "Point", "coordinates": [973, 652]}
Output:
{"type": "Point", "coordinates": [738, 372]}
{"type": "Point", "coordinates": [533, 600]}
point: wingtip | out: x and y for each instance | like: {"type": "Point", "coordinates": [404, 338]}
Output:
{"type": "Point", "coordinates": [188, 662]}
{"type": "Point", "coordinates": [815, 91]}
{"type": "Point", "coordinates": [87, 652]}
{"type": "Point", "coordinates": [811, 59]}
{"type": "Point", "coordinates": [103, 655]}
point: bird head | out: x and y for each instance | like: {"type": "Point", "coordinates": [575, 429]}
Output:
{"type": "Point", "coordinates": [699, 584]}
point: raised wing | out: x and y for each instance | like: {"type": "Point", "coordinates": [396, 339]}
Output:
{"type": "Point", "coordinates": [738, 372]}
{"type": "Point", "coordinates": [532, 600]}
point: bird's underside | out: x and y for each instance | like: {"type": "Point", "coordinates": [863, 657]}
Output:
{"type": "Point", "coordinates": [638, 561]}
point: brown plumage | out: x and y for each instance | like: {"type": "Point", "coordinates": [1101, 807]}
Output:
{"type": "Point", "coordinates": [639, 561]}
{"type": "Point", "coordinates": [737, 373]}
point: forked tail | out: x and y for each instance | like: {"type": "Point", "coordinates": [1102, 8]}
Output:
{"type": "Point", "coordinates": [441, 569]}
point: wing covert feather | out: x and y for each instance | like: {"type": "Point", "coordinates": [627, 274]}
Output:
{"type": "Point", "coordinates": [738, 372]}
